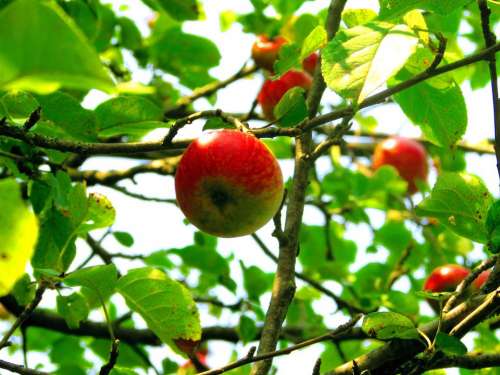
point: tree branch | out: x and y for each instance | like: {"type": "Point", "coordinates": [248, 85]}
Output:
{"type": "Point", "coordinates": [470, 361]}
{"type": "Point", "coordinates": [18, 369]}
{"type": "Point", "coordinates": [383, 95]}
{"type": "Point", "coordinates": [24, 315]}
{"type": "Point", "coordinates": [207, 90]}
{"type": "Point", "coordinates": [163, 167]}
{"type": "Point", "coordinates": [113, 357]}
{"type": "Point", "coordinates": [341, 303]}
{"type": "Point", "coordinates": [396, 352]}
{"type": "Point", "coordinates": [284, 281]}
{"type": "Point", "coordinates": [490, 39]}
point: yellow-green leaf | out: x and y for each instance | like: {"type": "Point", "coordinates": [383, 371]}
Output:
{"type": "Point", "coordinates": [18, 235]}
{"type": "Point", "coordinates": [46, 51]}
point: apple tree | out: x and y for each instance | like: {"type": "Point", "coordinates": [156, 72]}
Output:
{"type": "Point", "coordinates": [379, 249]}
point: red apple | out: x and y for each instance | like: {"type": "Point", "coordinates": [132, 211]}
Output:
{"type": "Point", "coordinates": [310, 62]}
{"type": "Point", "coordinates": [406, 155]}
{"type": "Point", "coordinates": [265, 51]}
{"type": "Point", "coordinates": [272, 91]}
{"type": "Point", "coordinates": [444, 279]}
{"type": "Point", "coordinates": [228, 183]}
{"type": "Point", "coordinates": [481, 279]}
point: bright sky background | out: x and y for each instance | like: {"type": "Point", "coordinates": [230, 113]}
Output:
{"type": "Point", "coordinates": [158, 226]}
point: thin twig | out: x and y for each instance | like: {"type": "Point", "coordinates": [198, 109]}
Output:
{"type": "Point", "coordinates": [25, 314]}
{"type": "Point", "coordinates": [18, 369]}
{"type": "Point", "coordinates": [250, 358]}
{"type": "Point", "coordinates": [32, 119]}
{"type": "Point", "coordinates": [341, 303]}
{"type": "Point", "coordinates": [140, 196]}
{"type": "Point", "coordinates": [317, 367]}
{"type": "Point", "coordinates": [113, 357]}
{"type": "Point", "coordinates": [384, 94]}
{"type": "Point", "coordinates": [490, 39]}
{"type": "Point", "coordinates": [209, 89]}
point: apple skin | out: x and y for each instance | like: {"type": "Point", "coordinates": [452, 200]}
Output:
{"type": "Point", "coordinates": [272, 91]}
{"type": "Point", "coordinates": [265, 51]}
{"type": "Point", "coordinates": [480, 280]}
{"type": "Point", "coordinates": [310, 62]}
{"type": "Point", "coordinates": [228, 183]}
{"type": "Point", "coordinates": [444, 279]}
{"type": "Point", "coordinates": [406, 155]}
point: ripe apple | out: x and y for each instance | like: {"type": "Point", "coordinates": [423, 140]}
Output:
{"type": "Point", "coordinates": [406, 155]}
{"type": "Point", "coordinates": [444, 279]}
{"type": "Point", "coordinates": [265, 51]}
{"type": "Point", "coordinates": [310, 62]}
{"type": "Point", "coordinates": [228, 183]}
{"type": "Point", "coordinates": [272, 91]}
{"type": "Point", "coordinates": [480, 280]}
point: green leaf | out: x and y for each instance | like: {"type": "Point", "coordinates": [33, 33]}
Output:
{"type": "Point", "coordinates": [394, 236]}
{"type": "Point", "coordinates": [394, 8]}
{"type": "Point", "coordinates": [361, 59]}
{"type": "Point", "coordinates": [247, 329]}
{"type": "Point", "coordinates": [437, 296]}
{"type": "Point", "coordinates": [184, 54]}
{"type": "Point", "coordinates": [316, 39]}
{"type": "Point", "coordinates": [100, 213]}
{"type": "Point", "coordinates": [403, 303]}
{"type": "Point", "coordinates": [440, 112]}
{"type": "Point", "coordinates": [24, 290]}
{"type": "Point", "coordinates": [288, 58]}
{"type": "Point", "coordinates": [59, 54]}
{"type": "Point", "coordinates": [18, 105]}
{"type": "Point", "coordinates": [77, 122]}
{"type": "Point", "coordinates": [169, 366]}
{"type": "Point", "coordinates": [450, 345]}
{"type": "Point", "coordinates": [124, 238]}
{"type": "Point", "coordinates": [356, 17]}
{"type": "Point", "coordinates": [460, 201]}
{"type": "Point", "coordinates": [255, 281]}
{"type": "Point", "coordinates": [66, 352]}
{"type": "Point", "coordinates": [73, 309]}
{"type": "Point", "coordinates": [203, 255]}
{"type": "Point", "coordinates": [226, 19]}
{"type": "Point", "coordinates": [493, 227]}
{"type": "Point", "coordinates": [166, 305]}
{"type": "Point", "coordinates": [291, 108]}
{"type": "Point", "coordinates": [286, 7]}
{"type": "Point", "coordinates": [64, 211]}
{"type": "Point", "coordinates": [18, 235]}
{"type": "Point", "coordinates": [117, 370]}
{"type": "Point", "coordinates": [389, 325]}
{"type": "Point", "coordinates": [302, 27]}
{"type": "Point", "coordinates": [98, 282]}
{"type": "Point", "coordinates": [181, 10]}
{"type": "Point", "coordinates": [128, 115]}
{"type": "Point", "coordinates": [130, 36]}
{"type": "Point", "coordinates": [217, 123]}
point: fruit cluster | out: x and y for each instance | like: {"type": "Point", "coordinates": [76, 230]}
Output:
{"type": "Point", "coordinates": [265, 52]}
